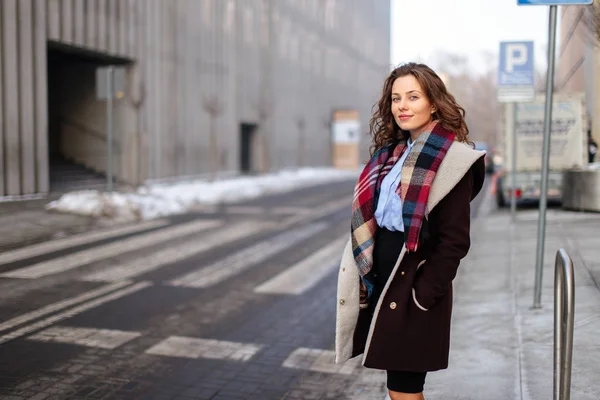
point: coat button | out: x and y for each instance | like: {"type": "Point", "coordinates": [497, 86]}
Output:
{"type": "Point", "coordinates": [402, 273]}
{"type": "Point", "coordinates": [343, 269]}
{"type": "Point", "coordinates": [342, 301]}
{"type": "Point", "coordinates": [393, 305]}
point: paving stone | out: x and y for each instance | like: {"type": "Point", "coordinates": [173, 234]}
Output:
{"type": "Point", "coordinates": [298, 328]}
{"type": "Point", "coordinates": [39, 396]}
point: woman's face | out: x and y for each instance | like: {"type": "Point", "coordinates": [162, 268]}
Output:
{"type": "Point", "coordinates": [411, 108]}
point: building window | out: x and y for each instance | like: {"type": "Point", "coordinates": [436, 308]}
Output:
{"type": "Point", "coordinates": [207, 12]}
{"type": "Point", "coordinates": [329, 14]}
{"type": "Point", "coordinates": [229, 16]}
{"type": "Point", "coordinates": [263, 18]}
{"type": "Point", "coordinates": [293, 48]}
{"type": "Point", "coordinates": [249, 25]}
{"type": "Point", "coordinates": [283, 37]}
{"type": "Point", "coordinates": [318, 60]}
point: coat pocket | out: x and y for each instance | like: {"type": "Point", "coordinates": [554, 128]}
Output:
{"type": "Point", "coordinates": [361, 333]}
{"type": "Point", "coordinates": [414, 293]}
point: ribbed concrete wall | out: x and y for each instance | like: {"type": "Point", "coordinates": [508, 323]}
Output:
{"type": "Point", "coordinates": [23, 117]}
{"type": "Point", "coordinates": [579, 60]}
{"type": "Point", "coordinates": [575, 37]}
{"type": "Point", "coordinates": [283, 65]}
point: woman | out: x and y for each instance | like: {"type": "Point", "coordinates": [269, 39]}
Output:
{"type": "Point", "coordinates": [410, 229]}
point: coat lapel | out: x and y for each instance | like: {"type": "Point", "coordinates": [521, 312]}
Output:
{"type": "Point", "coordinates": [454, 166]}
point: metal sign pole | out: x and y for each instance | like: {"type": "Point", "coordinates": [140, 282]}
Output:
{"type": "Point", "coordinates": [539, 265]}
{"type": "Point", "coordinates": [109, 127]}
{"type": "Point", "coordinates": [513, 177]}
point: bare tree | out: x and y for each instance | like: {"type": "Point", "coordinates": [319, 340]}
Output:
{"type": "Point", "coordinates": [482, 107]}
{"type": "Point", "coordinates": [590, 16]}
{"type": "Point", "coordinates": [475, 92]}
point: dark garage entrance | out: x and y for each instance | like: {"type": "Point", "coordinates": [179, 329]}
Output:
{"type": "Point", "coordinates": [247, 144]}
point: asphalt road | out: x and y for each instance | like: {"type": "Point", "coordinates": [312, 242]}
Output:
{"type": "Point", "coordinates": [236, 302]}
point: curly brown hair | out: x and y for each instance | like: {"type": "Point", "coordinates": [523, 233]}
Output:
{"type": "Point", "coordinates": [449, 113]}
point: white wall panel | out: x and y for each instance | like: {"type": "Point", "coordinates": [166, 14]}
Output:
{"type": "Point", "coordinates": [10, 71]}
{"type": "Point", "coordinates": [2, 169]}
{"type": "Point", "coordinates": [66, 21]}
{"type": "Point", "coordinates": [26, 96]}
{"type": "Point", "coordinates": [41, 96]}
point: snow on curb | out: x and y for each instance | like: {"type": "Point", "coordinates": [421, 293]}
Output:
{"type": "Point", "coordinates": [159, 200]}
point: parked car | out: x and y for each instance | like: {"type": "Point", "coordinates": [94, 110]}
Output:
{"type": "Point", "coordinates": [489, 165]}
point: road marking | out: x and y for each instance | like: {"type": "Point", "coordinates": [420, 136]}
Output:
{"type": "Point", "coordinates": [302, 276]}
{"type": "Point", "coordinates": [320, 211]}
{"type": "Point", "coordinates": [246, 210]}
{"type": "Point", "coordinates": [140, 266]}
{"type": "Point", "coordinates": [76, 240]}
{"type": "Point", "coordinates": [292, 210]}
{"type": "Point", "coordinates": [178, 346]}
{"type": "Point", "coordinates": [49, 309]}
{"type": "Point", "coordinates": [254, 210]}
{"type": "Point", "coordinates": [246, 258]}
{"type": "Point", "coordinates": [319, 361]}
{"type": "Point", "coordinates": [74, 311]}
{"type": "Point", "coordinates": [84, 257]}
{"type": "Point", "coordinates": [89, 337]}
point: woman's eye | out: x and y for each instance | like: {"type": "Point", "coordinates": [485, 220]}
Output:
{"type": "Point", "coordinates": [395, 99]}
{"type": "Point", "coordinates": [413, 97]}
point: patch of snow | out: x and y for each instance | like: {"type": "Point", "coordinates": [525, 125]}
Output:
{"type": "Point", "coordinates": [163, 199]}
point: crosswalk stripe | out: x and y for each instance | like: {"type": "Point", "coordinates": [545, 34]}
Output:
{"type": "Point", "coordinates": [303, 275]}
{"type": "Point", "coordinates": [254, 210]}
{"type": "Point", "coordinates": [319, 361]}
{"type": "Point", "coordinates": [76, 240]}
{"type": "Point", "coordinates": [292, 210]}
{"type": "Point", "coordinates": [246, 258]}
{"type": "Point", "coordinates": [84, 257]}
{"type": "Point", "coordinates": [246, 210]}
{"type": "Point", "coordinates": [89, 337]}
{"type": "Point", "coordinates": [178, 346]}
{"type": "Point", "coordinates": [27, 329]}
{"type": "Point", "coordinates": [320, 211]}
{"type": "Point", "coordinates": [173, 254]}
{"type": "Point", "coordinates": [51, 308]}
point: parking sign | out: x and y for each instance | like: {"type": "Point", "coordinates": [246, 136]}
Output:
{"type": "Point", "coordinates": [553, 2]}
{"type": "Point", "coordinates": [516, 72]}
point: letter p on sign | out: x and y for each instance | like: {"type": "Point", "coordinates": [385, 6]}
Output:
{"type": "Point", "coordinates": [516, 55]}
{"type": "Point", "coordinates": [516, 71]}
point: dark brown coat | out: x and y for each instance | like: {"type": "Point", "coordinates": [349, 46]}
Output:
{"type": "Point", "coordinates": [398, 333]}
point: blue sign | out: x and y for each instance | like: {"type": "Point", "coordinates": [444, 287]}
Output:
{"type": "Point", "coordinates": [516, 64]}
{"type": "Point", "coordinates": [553, 2]}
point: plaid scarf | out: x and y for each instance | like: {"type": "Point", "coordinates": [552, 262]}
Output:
{"type": "Point", "coordinates": [418, 172]}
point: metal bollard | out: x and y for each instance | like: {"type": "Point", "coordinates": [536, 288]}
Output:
{"type": "Point", "coordinates": [564, 316]}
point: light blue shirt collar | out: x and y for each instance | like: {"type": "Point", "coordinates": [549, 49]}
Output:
{"type": "Point", "coordinates": [388, 212]}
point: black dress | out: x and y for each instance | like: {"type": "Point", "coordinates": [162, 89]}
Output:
{"type": "Point", "coordinates": [388, 245]}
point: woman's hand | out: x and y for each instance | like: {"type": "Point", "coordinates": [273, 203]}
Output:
{"type": "Point", "coordinates": [364, 294]}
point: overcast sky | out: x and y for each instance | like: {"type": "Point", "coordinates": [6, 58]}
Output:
{"type": "Point", "coordinates": [470, 27]}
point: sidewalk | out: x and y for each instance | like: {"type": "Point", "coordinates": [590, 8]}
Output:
{"type": "Point", "coordinates": [26, 222]}
{"type": "Point", "coordinates": [501, 347]}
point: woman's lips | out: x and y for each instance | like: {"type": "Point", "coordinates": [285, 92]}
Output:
{"type": "Point", "coordinates": [405, 117]}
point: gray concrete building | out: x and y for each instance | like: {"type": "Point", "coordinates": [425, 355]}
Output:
{"type": "Point", "coordinates": [578, 61]}
{"type": "Point", "coordinates": [226, 85]}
